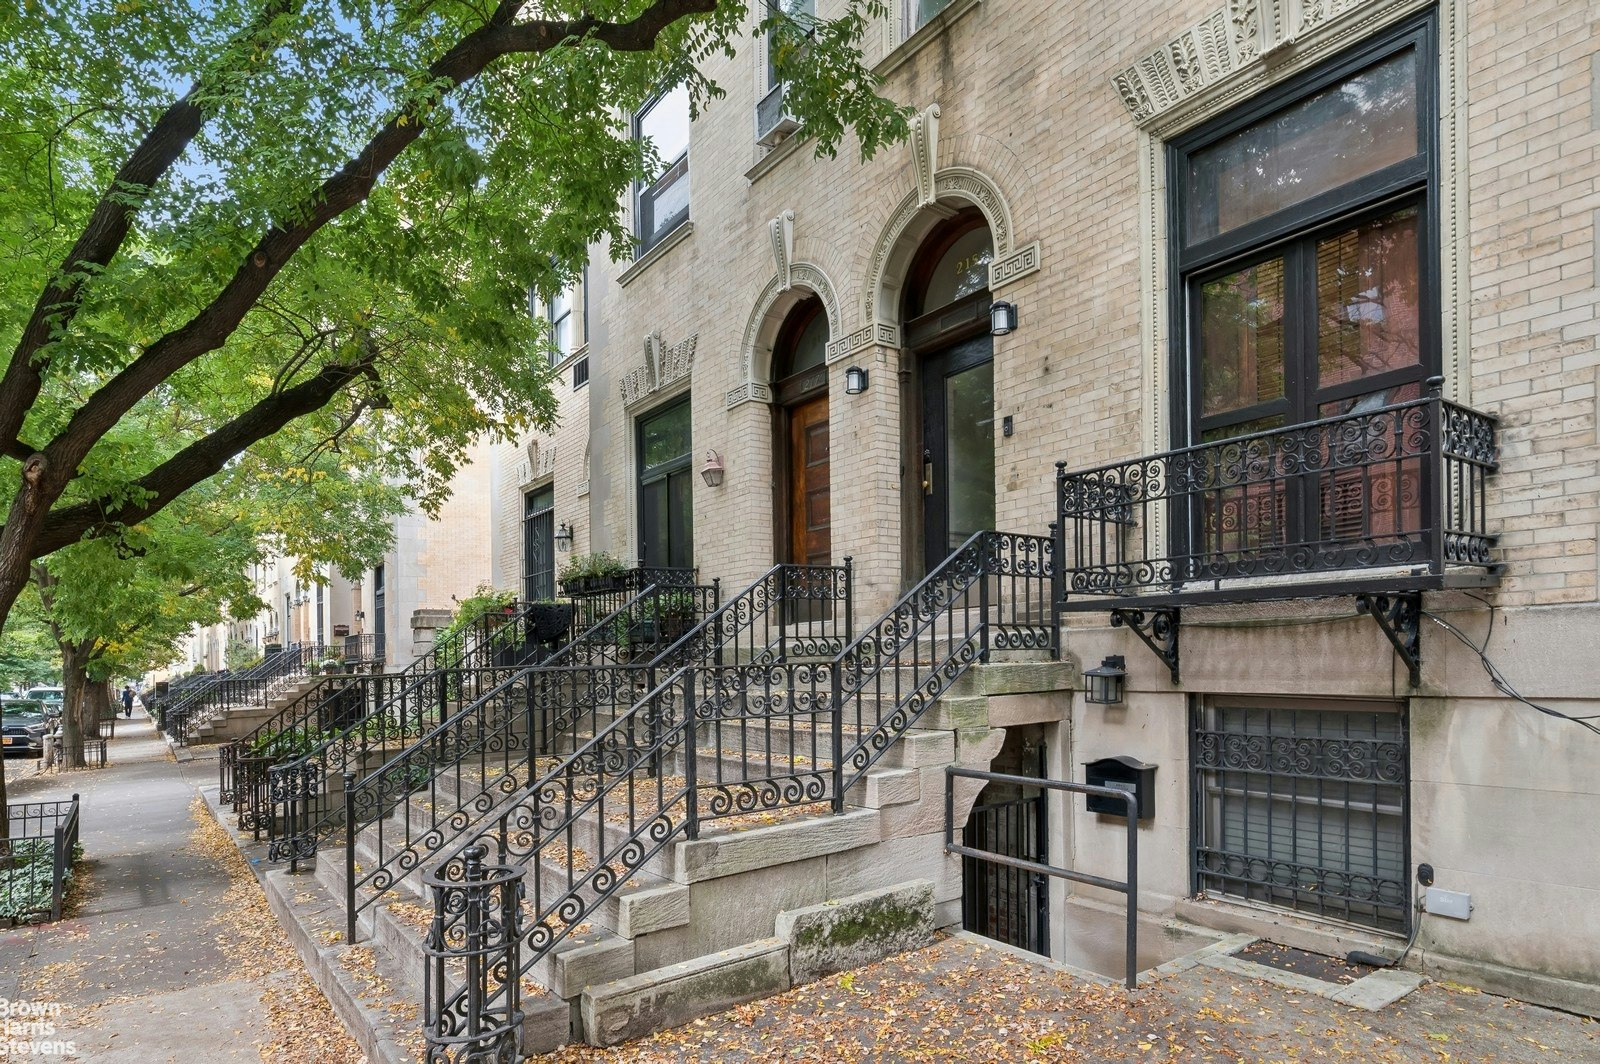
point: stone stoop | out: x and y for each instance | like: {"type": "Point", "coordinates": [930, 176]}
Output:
{"type": "Point", "coordinates": [235, 722]}
{"type": "Point", "coordinates": [711, 922]}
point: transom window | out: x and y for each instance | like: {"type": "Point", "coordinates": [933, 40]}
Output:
{"type": "Point", "coordinates": [1304, 246]}
{"type": "Point", "coordinates": [663, 202]}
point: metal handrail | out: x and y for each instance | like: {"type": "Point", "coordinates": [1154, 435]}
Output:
{"type": "Point", "coordinates": [1129, 887]}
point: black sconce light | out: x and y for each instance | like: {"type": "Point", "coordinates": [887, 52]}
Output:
{"type": "Point", "coordinates": [711, 472]}
{"type": "Point", "coordinates": [1002, 317]}
{"type": "Point", "coordinates": [1106, 682]}
{"type": "Point", "coordinates": [564, 537]}
{"type": "Point", "coordinates": [855, 380]}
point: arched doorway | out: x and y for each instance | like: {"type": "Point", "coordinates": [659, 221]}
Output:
{"type": "Point", "coordinates": [946, 337]}
{"type": "Point", "coordinates": [800, 407]}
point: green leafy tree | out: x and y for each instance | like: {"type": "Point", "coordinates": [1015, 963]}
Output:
{"type": "Point", "coordinates": [28, 655]}
{"type": "Point", "coordinates": [242, 215]}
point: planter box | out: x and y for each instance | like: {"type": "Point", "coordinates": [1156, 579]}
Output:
{"type": "Point", "coordinates": [594, 585]}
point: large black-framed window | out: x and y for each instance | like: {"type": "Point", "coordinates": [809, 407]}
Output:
{"type": "Point", "coordinates": [662, 203]}
{"type": "Point", "coordinates": [539, 545]}
{"type": "Point", "coordinates": [666, 495]}
{"type": "Point", "coordinates": [1305, 280]}
{"type": "Point", "coordinates": [1305, 260]}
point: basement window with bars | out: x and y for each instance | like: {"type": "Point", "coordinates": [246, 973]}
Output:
{"type": "Point", "coordinates": [1304, 804]}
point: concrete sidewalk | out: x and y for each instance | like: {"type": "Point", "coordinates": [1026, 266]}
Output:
{"type": "Point", "coordinates": [162, 961]}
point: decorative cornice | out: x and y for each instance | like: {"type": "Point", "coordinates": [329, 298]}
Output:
{"type": "Point", "coordinates": [925, 153]}
{"type": "Point", "coordinates": [781, 230]}
{"type": "Point", "coordinates": [1239, 35]}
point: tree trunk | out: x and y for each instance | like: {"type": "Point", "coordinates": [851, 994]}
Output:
{"type": "Point", "coordinates": [74, 669]}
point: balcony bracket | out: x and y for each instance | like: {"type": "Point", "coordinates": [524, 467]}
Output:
{"type": "Point", "coordinates": [1156, 629]}
{"type": "Point", "coordinates": [1400, 617]}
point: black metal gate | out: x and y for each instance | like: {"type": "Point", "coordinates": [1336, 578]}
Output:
{"type": "Point", "coordinates": [1305, 805]}
{"type": "Point", "coordinates": [1010, 905]}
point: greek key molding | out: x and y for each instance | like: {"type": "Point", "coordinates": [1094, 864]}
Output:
{"type": "Point", "coordinates": [756, 347]}
{"type": "Point", "coordinates": [881, 333]}
{"type": "Point", "coordinates": [1014, 267]}
{"type": "Point", "coordinates": [781, 230]}
{"type": "Point", "coordinates": [925, 153]}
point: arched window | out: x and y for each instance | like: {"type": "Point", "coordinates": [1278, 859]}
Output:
{"type": "Point", "coordinates": [802, 340]}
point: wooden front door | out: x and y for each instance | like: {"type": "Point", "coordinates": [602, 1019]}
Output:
{"type": "Point", "coordinates": [810, 516]}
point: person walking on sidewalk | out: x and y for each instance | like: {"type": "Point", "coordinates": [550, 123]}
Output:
{"type": "Point", "coordinates": [127, 700]}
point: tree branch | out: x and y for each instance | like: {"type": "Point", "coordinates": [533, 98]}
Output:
{"type": "Point", "coordinates": [201, 459]}
{"type": "Point", "coordinates": [103, 236]}
{"type": "Point", "coordinates": [210, 328]}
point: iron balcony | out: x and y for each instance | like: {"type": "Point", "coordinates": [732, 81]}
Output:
{"type": "Point", "coordinates": [1377, 501]}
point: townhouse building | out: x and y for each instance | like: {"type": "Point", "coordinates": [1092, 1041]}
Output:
{"type": "Point", "coordinates": [1278, 319]}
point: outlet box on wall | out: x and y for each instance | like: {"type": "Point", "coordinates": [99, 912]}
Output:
{"type": "Point", "coordinates": [1455, 904]}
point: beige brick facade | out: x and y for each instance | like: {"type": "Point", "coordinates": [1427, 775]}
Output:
{"type": "Point", "coordinates": [1032, 127]}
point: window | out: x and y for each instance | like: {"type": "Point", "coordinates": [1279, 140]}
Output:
{"type": "Point", "coordinates": [560, 320]}
{"type": "Point", "coordinates": [1306, 281]}
{"type": "Point", "coordinates": [1302, 255]}
{"type": "Point", "coordinates": [920, 12]}
{"type": "Point", "coordinates": [666, 498]}
{"type": "Point", "coordinates": [663, 202]}
{"type": "Point", "coordinates": [1304, 805]}
{"type": "Point", "coordinates": [804, 8]}
{"type": "Point", "coordinates": [559, 314]}
{"type": "Point", "coordinates": [538, 545]}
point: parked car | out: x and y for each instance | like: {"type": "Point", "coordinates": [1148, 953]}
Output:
{"type": "Point", "coordinates": [50, 696]}
{"type": "Point", "coordinates": [23, 725]}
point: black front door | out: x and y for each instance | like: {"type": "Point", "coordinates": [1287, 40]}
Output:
{"type": "Point", "coordinates": [958, 446]}
{"type": "Point", "coordinates": [666, 498]}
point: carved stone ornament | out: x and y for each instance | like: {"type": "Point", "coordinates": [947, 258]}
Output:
{"type": "Point", "coordinates": [781, 229]}
{"type": "Point", "coordinates": [757, 387]}
{"type": "Point", "coordinates": [925, 153]}
{"type": "Point", "coordinates": [663, 367]}
{"type": "Point", "coordinates": [1239, 34]}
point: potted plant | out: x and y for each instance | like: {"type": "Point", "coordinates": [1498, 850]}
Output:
{"type": "Point", "coordinates": [592, 574]}
{"type": "Point", "coordinates": [664, 618]}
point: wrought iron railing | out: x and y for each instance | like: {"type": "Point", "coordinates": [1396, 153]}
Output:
{"type": "Point", "coordinates": [331, 709]}
{"type": "Point", "coordinates": [992, 593]}
{"type": "Point", "coordinates": [247, 688]}
{"type": "Point", "coordinates": [1307, 507]}
{"type": "Point", "coordinates": [751, 732]}
{"type": "Point", "coordinates": [366, 648]}
{"type": "Point", "coordinates": [563, 701]}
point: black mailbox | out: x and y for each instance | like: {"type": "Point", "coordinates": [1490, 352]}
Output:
{"type": "Point", "coordinates": [1125, 774]}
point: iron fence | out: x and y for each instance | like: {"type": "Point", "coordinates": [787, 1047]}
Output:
{"type": "Point", "coordinates": [36, 859]}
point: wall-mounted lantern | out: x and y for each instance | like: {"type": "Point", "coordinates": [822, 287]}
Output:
{"type": "Point", "coordinates": [1002, 317]}
{"type": "Point", "coordinates": [563, 537]}
{"type": "Point", "coordinates": [1105, 683]}
{"type": "Point", "coordinates": [711, 472]}
{"type": "Point", "coordinates": [855, 380]}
